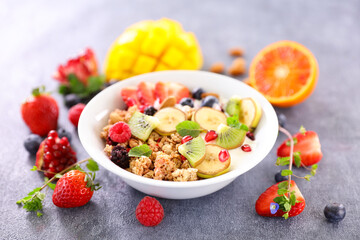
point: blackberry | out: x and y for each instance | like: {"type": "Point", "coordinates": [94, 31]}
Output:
{"type": "Point", "coordinates": [120, 156]}
{"type": "Point", "coordinates": [150, 111]}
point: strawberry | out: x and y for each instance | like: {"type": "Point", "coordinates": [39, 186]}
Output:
{"type": "Point", "coordinates": [40, 112]}
{"type": "Point", "coordinates": [308, 144]}
{"type": "Point", "coordinates": [262, 205]}
{"type": "Point", "coordinates": [164, 90]}
{"type": "Point", "coordinates": [145, 93]}
{"type": "Point", "coordinates": [74, 189]}
{"type": "Point", "coordinates": [129, 93]}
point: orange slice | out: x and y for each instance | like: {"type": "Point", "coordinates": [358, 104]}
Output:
{"type": "Point", "coordinates": [285, 72]}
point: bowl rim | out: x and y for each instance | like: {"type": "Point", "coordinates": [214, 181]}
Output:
{"type": "Point", "coordinates": [229, 176]}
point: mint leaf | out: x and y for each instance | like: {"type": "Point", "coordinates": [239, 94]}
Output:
{"type": "Point", "coordinates": [38, 91]}
{"type": "Point", "coordinates": [75, 85]}
{"type": "Point", "coordinates": [283, 185]}
{"type": "Point", "coordinates": [95, 83]}
{"type": "Point", "coordinates": [302, 130]}
{"type": "Point", "coordinates": [307, 177]}
{"type": "Point", "coordinates": [288, 142]}
{"type": "Point", "coordinates": [292, 199]}
{"type": "Point", "coordinates": [282, 191]}
{"type": "Point", "coordinates": [234, 123]}
{"type": "Point", "coordinates": [92, 165]}
{"type": "Point", "coordinates": [34, 168]}
{"type": "Point", "coordinates": [297, 159]}
{"type": "Point", "coordinates": [142, 150]}
{"type": "Point", "coordinates": [188, 128]}
{"type": "Point", "coordinates": [286, 172]}
{"type": "Point", "coordinates": [58, 175]}
{"type": "Point", "coordinates": [51, 185]}
{"type": "Point", "coordinates": [33, 201]}
{"type": "Point", "coordinates": [313, 172]}
{"type": "Point", "coordinates": [63, 89]}
{"type": "Point", "coordinates": [286, 215]}
{"type": "Point", "coordinates": [287, 206]}
{"type": "Point", "coordinates": [314, 167]}
{"type": "Point", "coordinates": [282, 161]}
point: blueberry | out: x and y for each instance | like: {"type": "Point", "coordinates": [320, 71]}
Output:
{"type": "Point", "coordinates": [187, 102]}
{"type": "Point", "coordinates": [63, 133]}
{"type": "Point", "coordinates": [209, 101]}
{"type": "Point", "coordinates": [197, 93]}
{"type": "Point", "coordinates": [280, 178]}
{"type": "Point", "coordinates": [282, 119]}
{"type": "Point", "coordinates": [335, 212]}
{"type": "Point", "coordinates": [87, 99]}
{"type": "Point", "coordinates": [150, 111]}
{"type": "Point", "coordinates": [71, 100]}
{"type": "Point", "coordinates": [32, 143]}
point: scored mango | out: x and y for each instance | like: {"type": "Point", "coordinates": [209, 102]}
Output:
{"type": "Point", "coordinates": [150, 46]}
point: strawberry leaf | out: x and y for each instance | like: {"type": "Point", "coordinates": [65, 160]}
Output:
{"type": "Point", "coordinates": [188, 128]}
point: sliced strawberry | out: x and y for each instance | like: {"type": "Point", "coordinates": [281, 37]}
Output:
{"type": "Point", "coordinates": [262, 205]}
{"type": "Point", "coordinates": [146, 93]}
{"type": "Point", "coordinates": [161, 91]}
{"type": "Point", "coordinates": [164, 90]}
{"type": "Point", "coordinates": [308, 144]}
{"type": "Point", "coordinates": [129, 93]}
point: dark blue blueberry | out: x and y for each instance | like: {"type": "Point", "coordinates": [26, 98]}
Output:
{"type": "Point", "coordinates": [63, 133]}
{"type": "Point", "coordinates": [280, 178]}
{"type": "Point", "coordinates": [197, 93]}
{"type": "Point", "coordinates": [335, 212]}
{"type": "Point", "coordinates": [187, 102]}
{"type": "Point", "coordinates": [209, 101]}
{"type": "Point", "coordinates": [150, 111]}
{"type": "Point", "coordinates": [282, 119]}
{"type": "Point", "coordinates": [71, 100]}
{"type": "Point", "coordinates": [32, 143]}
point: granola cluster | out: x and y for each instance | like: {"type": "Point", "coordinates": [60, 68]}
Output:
{"type": "Point", "coordinates": [165, 162]}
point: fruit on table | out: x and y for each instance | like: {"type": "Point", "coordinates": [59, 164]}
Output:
{"type": "Point", "coordinates": [54, 154]}
{"type": "Point", "coordinates": [193, 150]}
{"type": "Point", "coordinates": [335, 212]}
{"type": "Point", "coordinates": [72, 190]}
{"type": "Point", "coordinates": [150, 46]}
{"type": "Point", "coordinates": [229, 137]}
{"type": "Point", "coordinates": [209, 118]}
{"type": "Point", "coordinates": [280, 178]}
{"type": "Point", "coordinates": [71, 100]}
{"type": "Point", "coordinates": [308, 144]}
{"type": "Point", "coordinates": [233, 106]}
{"type": "Point", "coordinates": [169, 117]}
{"type": "Point", "coordinates": [212, 166]}
{"type": "Point", "coordinates": [209, 101]}
{"type": "Point", "coordinates": [149, 212]}
{"type": "Point", "coordinates": [262, 205]}
{"type": "Point", "coordinates": [285, 72]}
{"type": "Point", "coordinates": [75, 112]}
{"type": "Point", "coordinates": [282, 119]}
{"type": "Point", "coordinates": [142, 125]}
{"type": "Point", "coordinates": [32, 143]}
{"type": "Point", "coordinates": [167, 89]}
{"type": "Point", "coordinates": [250, 112]}
{"type": "Point", "coordinates": [40, 112]}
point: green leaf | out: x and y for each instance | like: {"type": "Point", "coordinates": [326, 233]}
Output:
{"type": "Point", "coordinates": [188, 128]}
{"type": "Point", "coordinates": [58, 175]}
{"type": "Point", "coordinates": [92, 165]}
{"type": "Point", "coordinates": [297, 159]}
{"type": "Point", "coordinates": [142, 150]}
{"type": "Point", "coordinates": [286, 172]}
{"type": "Point", "coordinates": [313, 172]}
{"type": "Point", "coordinates": [282, 191]}
{"type": "Point", "coordinates": [234, 123]}
{"type": "Point", "coordinates": [307, 177]}
{"type": "Point", "coordinates": [288, 142]}
{"type": "Point", "coordinates": [34, 168]}
{"type": "Point", "coordinates": [280, 200]}
{"type": "Point", "coordinates": [38, 91]}
{"type": "Point", "coordinates": [282, 161]}
{"type": "Point", "coordinates": [33, 201]}
{"type": "Point", "coordinates": [63, 89]}
{"type": "Point", "coordinates": [286, 215]}
{"type": "Point", "coordinates": [292, 199]}
{"type": "Point", "coordinates": [75, 85]}
{"type": "Point", "coordinates": [302, 130]}
{"type": "Point", "coordinates": [39, 214]}
{"type": "Point", "coordinates": [287, 206]}
{"type": "Point", "coordinates": [50, 184]}
{"type": "Point", "coordinates": [314, 167]}
{"type": "Point", "coordinates": [95, 83]}
{"type": "Point", "coordinates": [283, 185]}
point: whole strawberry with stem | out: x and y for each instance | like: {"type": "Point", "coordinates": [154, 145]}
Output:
{"type": "Point", "coordinates": [40, 112]}
{"type": "Point", "coordinates": [54, 155]}
{"type": "Point", "coordinates": [74, 189]}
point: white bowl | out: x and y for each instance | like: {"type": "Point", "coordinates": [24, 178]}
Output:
{"type": "Point", "coordinates": [95, 115]}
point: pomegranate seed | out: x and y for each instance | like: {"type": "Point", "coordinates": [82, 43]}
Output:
{"type": "Point", "coordinates": [246, 148]}
{"type": "Point", "coordinates": [183, 158]}
{"type": "Point", "coordinates": [130, 102]}
{"type": "Point", "coordinates": [224, 155]}
{"type": "Point", "coordinates": [142, 108]}
{"type": "Point", "coordinates": [53, 134]}
{"type": "Point", "coordinates": [211, 135]}
{"type": "Point", "coordinates": [250, 135]}
{"type": "Point", "coordinates": [186, 139]}
{"type": "Point", "coordinates": [128, 149]}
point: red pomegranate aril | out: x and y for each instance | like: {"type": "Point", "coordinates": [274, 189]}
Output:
{"type": "Point", "coordinates": [246, 148]}
{"type": "Point", "coordinates": [183, 158]}
{"type": "Point", "coordinates": [130, 102]}
{"type": "Point", "coordinates": [52, 134]}
{"type": "Point", "coordinates": [224, 155]}
{"type": "Point", "coordinates": [250, 135]}
{"type": "Point", "coordinates": [186, 139]}
{"type": "Point", "coordinates": [210, 135]}
{"type": "Point", "coordinates": [142, 108]}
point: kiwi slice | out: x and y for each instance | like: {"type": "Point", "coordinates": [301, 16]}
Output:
{"type": "Point", "coordinates": [229, 137]}
{"type": "Point", "coordinates": [193, 150]}
{"type": "Point", "coordinates": [142, 125]}
{"type": "Point", "coordinates": [233, 106]}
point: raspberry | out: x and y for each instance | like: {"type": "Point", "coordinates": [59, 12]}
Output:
{"type": "Point", "coordinates": [75, 112]}
{"type": "Point", "coordinates": [120, 132]}
{"type": "Point", "coordinates": [149, 212]}
{"type": "Point", "coordinates": [119, 156]}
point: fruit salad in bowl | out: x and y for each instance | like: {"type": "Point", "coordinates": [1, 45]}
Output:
{"type": "Point", "coordinates": [178, 134]}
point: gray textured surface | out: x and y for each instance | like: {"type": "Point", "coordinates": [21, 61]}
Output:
{"type": "Point", "coordinates": [37, 35]}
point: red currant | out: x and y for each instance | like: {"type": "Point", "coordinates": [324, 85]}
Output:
{"type": "Point", "coordinates": [211, 135]}
{"type": "Point", "coordinates": [246, 148]}
{"type": "Point", "coordinates": [224, 155]}
{"type": "Point", "coordinates": [186, 139]}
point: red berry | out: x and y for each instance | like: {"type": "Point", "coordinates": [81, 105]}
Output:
{"type": "Point", "coordinates": [120, 132]}
{"type": "Point", "coordinates": [211, 135]}
{"type": "Point", "coordinates": [71, 190]}
{"type": "Point", "coordinates": [224, 155]}
{"type": "Point", "coordinates": [129, 93]}
{"type": "Point", "coordinates": [250, 135]}
{"type": "Point", "coordinates": [183, 158]}
{"type": "Point", "coordinates": [149, 212]}
{"type": "Point", "coordinates": [75, 112]}
{"type": "Point", "coordinates": [142, 108]}
{"type": "Point", "coordinates": [246, 148]}
{"type": "Point", "coordinates": [186, 139]}
{"type": "Point", "coordinates": [130, 102]}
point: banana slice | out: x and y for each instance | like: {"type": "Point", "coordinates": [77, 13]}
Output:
{"type": "Point", "coordinates": [211, 166]}
{"type": "Point", "coordinates": [250, 112]}
{"type": "Point", "coordinates": [209, 118]}
{"type": "Point", "coordinates": [169, 117]}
